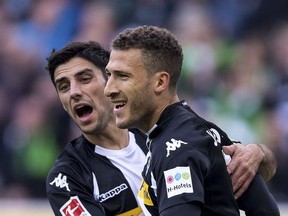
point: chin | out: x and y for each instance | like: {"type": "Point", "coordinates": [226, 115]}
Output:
{"type": "Point", "coordinates": [122, 124]}
{"type": "Point", "coordinates": [88, 131]}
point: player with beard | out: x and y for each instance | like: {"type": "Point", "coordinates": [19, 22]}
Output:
{"type": "Point", "coordinates": [185, 172]}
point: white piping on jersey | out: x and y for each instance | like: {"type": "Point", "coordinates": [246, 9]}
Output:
{"type": "Point", "coordinates": [96, 188]}
{"type": "Point", "coordinates": [147, 135]}
{"type": "Point", "coordinates": [153, 184]}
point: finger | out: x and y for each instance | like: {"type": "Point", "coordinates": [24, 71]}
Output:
{"type": "Point", "coordinates": [242, 175]}
{"type": "Point", "coordinates": [229, 149]}
{"type": "Point", "coordinates": [235, 166]}
{"type": "Point", "coordinates": [238, 180]}
{"type": "Point", "coordinates": [231, 168]}
{"type": "Point", "coordinates": [239, 175]}
{"type": "Point", "coordinates": [243, 188]}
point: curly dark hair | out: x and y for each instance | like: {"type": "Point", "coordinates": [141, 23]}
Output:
{"type": "Point", "coordinates": [160, 48]}
{"type": "Point", "coordinates": [90, 51]}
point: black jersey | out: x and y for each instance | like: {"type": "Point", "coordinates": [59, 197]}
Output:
{"type": "Point", "coordinates": [185, 164]}
{"type": "Point", "coordinates": [83, 182]}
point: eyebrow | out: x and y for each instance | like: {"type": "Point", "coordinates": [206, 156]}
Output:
{"type": "Point", "coordinates": [115, 71]}
{"type": "Point", "coordinates": [79, 73]}
{"type": "Point", "coordinates": [59, 80]}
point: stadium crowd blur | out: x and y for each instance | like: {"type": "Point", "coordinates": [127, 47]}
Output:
{"type": "Point", "coordinates": [235, 73]}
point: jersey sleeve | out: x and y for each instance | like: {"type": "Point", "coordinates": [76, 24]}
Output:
{"type": "Point", "coordinates": [70, 192]}
{"type": "Point", "coordinates": [182, 179]}
{"type": "Point", "coordinates": [185, 209]}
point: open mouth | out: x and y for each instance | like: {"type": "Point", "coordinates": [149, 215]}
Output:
{"type": "Point", "coordinates": [84, 111]}
{"type": "Point", "coordinates": [119, 105]}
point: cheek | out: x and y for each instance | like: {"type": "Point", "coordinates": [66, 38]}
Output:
{"type": "Point", "coordinates": [65, 104]}
{"type": "Point", "coordinates": [140, 99]}
{"type": "Point", "coordinates": [144, 100]}
{"type": "Point", "coordinates": [62, 101]}
{"type": "Point", "coordinates": [102, 100]}
{"type": "Point", "coordinates": [145, 93]}
{"type": "Point", "coordinates": [67, 109]}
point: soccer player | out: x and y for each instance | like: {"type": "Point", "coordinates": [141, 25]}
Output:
{"type": "Point", "coordinates": [185, 171]}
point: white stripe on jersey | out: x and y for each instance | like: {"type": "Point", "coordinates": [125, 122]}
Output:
{"type": "Point", "coordinates": [96, 188]}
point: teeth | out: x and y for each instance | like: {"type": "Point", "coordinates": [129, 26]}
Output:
{"type": "Point", "coordinates": [79, 107]}
{"type": "Point", "coordinates": [118, 105]}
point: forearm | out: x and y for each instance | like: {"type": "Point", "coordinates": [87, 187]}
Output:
{"type": "Point", "coordinates": [268, 165]}
{"type": "Point", "coordinates": [257, 200]}
{"type": "Point", "coordinates": [185, 209]}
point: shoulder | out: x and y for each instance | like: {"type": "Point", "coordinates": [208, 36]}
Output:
{"type": "Point", "coordinates": [67, 178]}
{"type": "Point", "coordinates": [68, 168]}
{"type": "Point", "coordinates": [66, 164]}
{"type": "Point", "coordinates": [70, 165]}
{"type": "Point", "coordinates": [189, 125]}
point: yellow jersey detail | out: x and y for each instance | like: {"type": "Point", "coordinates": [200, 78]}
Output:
{"type": "Point", "coordinates": [144, 194]}
{"type": "Point", "coordinates": [133, 212]}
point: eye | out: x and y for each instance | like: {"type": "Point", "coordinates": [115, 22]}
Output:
{"type": "Point", "coordinates": [85, 79]}
{"type": "Point", "coordinates": [123, 75]}
{"type": "Point", "coordinates": [108, 74]}
{"type": "Point", "coordinates": [63, 87]}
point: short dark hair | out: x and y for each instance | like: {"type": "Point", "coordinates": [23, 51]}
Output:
{"type": "Point", "coordinates": [160, 48]}
{"type": "Point", "coordinates": [90, 51]}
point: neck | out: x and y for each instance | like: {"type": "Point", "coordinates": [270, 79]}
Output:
{"type": "Point", "coordinates": [114, 139]}
{"type": "Point", "coordinates": [160, 107]}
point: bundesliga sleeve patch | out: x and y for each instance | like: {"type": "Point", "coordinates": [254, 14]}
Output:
{"type": "Point", "coordinates": [74, 207]}
{"type": "Point", "coordinates": [178, 181]}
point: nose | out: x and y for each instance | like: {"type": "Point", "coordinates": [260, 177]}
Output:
{"type": "Point", "coordinates": [75, 90]}
{"type": "Point", "coordinates": [110, 88]}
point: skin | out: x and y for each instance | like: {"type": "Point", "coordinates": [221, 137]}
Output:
{"type": "Point", "coordinates": [80, 83]}
{"type": "Point", "coordinates": [141, 95]}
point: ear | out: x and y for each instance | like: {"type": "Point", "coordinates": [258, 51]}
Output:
{"type": "Point", "coordinates": [162, 81]}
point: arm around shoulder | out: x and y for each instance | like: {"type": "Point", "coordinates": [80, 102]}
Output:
{"type": "Point", "coordinates": [246, 161]}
